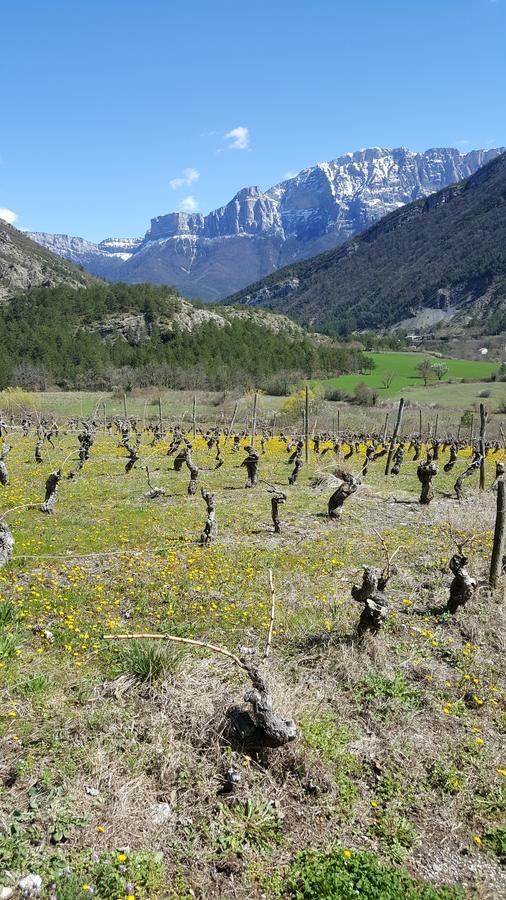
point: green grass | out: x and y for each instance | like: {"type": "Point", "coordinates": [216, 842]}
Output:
{"type": "Point", "coordinates": [460, 396]}
{"type": "Point", "coordinates": [88, 751]}
{"type": "Point", "coordinates": [404, 367]}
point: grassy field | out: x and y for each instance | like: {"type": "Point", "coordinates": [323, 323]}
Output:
{"type": "Point", "coordinates": [403, 368]}
{"type": "Point", "coordinates": [111, 764]}
{"type": "Point", "coordinates": [460, 396]}
{"type": "Point", "coordinates": [451, 397]}
{"type": "Point", "coordinates": [141, 405]}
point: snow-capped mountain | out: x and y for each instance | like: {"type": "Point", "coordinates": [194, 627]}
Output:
{"type": "Point", "coordinates": [100, 259]}
{"type": "Point", "coordinates": [257, 232]}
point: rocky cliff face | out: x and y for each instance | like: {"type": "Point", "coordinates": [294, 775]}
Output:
{"type": "Point", "coordinates": [257, 232]}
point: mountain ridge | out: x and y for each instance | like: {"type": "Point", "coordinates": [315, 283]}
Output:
{"type": "Point", "coordinates": [441, 259]}
{"type": "Point", "coordinates": [256, 232]}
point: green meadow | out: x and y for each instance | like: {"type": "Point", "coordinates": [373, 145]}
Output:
{"type": "Point", "coordinates": [402, 367]}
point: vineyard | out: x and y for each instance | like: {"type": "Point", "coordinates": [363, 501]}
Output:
{"type": "Point", "coordinates": [312, 705]}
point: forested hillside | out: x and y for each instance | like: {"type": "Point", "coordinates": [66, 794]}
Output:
{"type": "Point", "coordinates": [145, 335]}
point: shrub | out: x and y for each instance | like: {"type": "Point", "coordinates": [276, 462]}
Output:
{"type": "Point", "coordinates": [364, 396]}
{"type": "Point", "coordinates": [293, 407]}
{"type": "Point", "coordinates": [18, 402]}
{"type": "Point", "coordinates": [334, 394]}
{"type": "Point", "coordinates": [280, 385]}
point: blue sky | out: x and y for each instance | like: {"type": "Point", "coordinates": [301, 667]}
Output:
{"type": "Point", "coordinates": [114, 111]}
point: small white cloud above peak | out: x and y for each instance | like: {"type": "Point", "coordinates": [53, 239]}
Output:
{"type": "Point", "coordinates": [188, 177]}
{"type": "Point", "coordinates": [289, 174]}
{"type": "Point", "coordinates": [7, 215]}
{"type": "Point", "coordinates": [238, 138]}
{"type": "Point", "coordinates": [189, 204]}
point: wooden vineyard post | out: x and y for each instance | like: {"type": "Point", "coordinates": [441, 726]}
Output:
{"type": "Point", "coordinates": [306, 424]}
{"type": "Point", "coordinates": [194, 417]}
{"type": "Point", "coordinates": [421, 423]}
{"type": "Point", "coordinates": [385, 428]}
{"type": "Point", "coordinates": [232, 422]}
{"type": "Point", "coordinates": [254, 422]}
{"type": "Point", "coordinates": [434, 436]}
{"type": "Point", "coordinates": [499, 536]}
{"type": "Point", "coordinates": [125, 406]}
{"type": "Point", "coordinates": [160, 413]}
{"type": "Point", "coordinates": [394, 436]}
{"type": "Point", "coordinates": [483, 428]}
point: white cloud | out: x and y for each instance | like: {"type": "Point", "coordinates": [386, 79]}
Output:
{"type": "Point", "coordinates": [7, 215]}
{"type": "Point", "coordinates": [238, 137]}
{"type": "Point", "coordinates": [189, 204]}
{"type": "Point", "coordinates": [189, 176]}
{"type": "Point", "coordinates": [289, 174]}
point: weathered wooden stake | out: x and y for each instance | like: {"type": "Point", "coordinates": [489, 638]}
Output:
{"type": "Point", "coordinates": [160, 413]}
{"type": "Point", "coordinates": [394, 436]}
{"type": "Point", "coordinates": [125, 406]}
{"type": "Point", "coordinates": [496, 563]}
{"type": "Point", "coordinates": [254, 422]}
{"type": "Point", "coordinates": [232, 421]}
{"type": "Point", "coordinates": [483, 428]}
{"type": "Point", "coordinates": [385, 428]}
{"type": "Point", "coordinates": [194, 417]}
{"type": "Point", "coordinates": [306, 424]}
